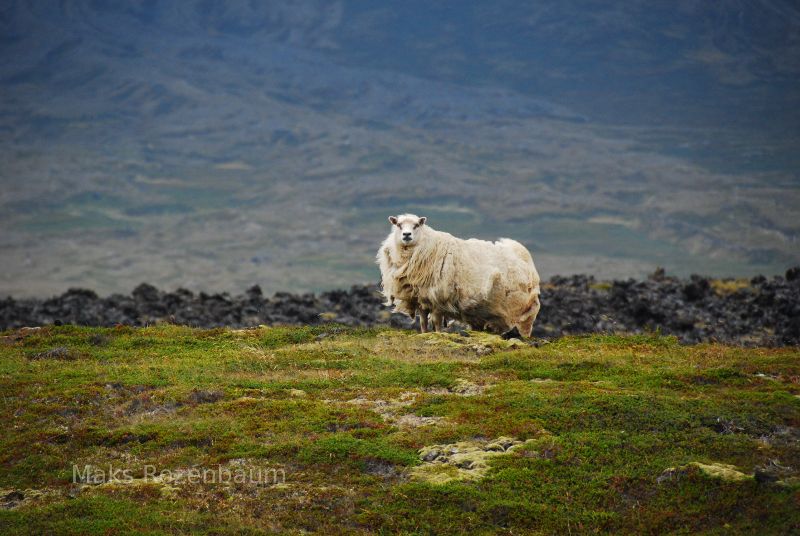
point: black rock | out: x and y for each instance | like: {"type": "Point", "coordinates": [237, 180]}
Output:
{"type": "Point", "coordinates": [513, 333]}
{"type": "Point", "coordinates": [146, 293]}
{"type": "Point", "coordinates": [697, 289]}
{"type": "Point", "coordinates": [765, 313]}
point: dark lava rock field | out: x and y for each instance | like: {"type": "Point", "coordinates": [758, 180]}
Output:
{"type": "Point", "coordinates": [762, 311]}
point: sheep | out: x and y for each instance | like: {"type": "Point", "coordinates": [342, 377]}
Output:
{"type": "Point", "coordinates": [489, 285]}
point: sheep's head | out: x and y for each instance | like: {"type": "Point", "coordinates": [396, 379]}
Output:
{"type": "Point", "coordinates": [408, 229]}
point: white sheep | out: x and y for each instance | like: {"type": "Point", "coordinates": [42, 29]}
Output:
{"type": "Point", "coordinates": [489, 285]}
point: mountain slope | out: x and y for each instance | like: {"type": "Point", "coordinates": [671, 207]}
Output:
{"type": "Point", "coordinates": [216, 145]}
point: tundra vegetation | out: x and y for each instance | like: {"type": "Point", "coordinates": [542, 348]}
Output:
{"type": "Point", "coordinates": [382, 430]}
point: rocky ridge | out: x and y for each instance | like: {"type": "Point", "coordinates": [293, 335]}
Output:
{"type": "Point", "coordinates": [761, 311]}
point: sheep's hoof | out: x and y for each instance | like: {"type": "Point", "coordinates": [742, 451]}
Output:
{"type": "Point", "coordinates": [512, 333]}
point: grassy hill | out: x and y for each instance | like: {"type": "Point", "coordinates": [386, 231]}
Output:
{"type": "Point", "coordinates": [369, 430]}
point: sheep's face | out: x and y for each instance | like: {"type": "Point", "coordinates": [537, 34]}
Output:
{"type": "Point", "coordinates": [408, 229]}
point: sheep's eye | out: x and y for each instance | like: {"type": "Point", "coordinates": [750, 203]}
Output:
{"type": "Point", "coordinates": [415, 226]}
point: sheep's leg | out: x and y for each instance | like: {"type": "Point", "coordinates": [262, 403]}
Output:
{"type": "Point", "coordinates": [526, 327]}
{"type": "Point", "coordinates": [526, 324]}
{"type": "Point", "coordinates": [438, 319]}
{"type": "Point", "coordinates": [423, 321]}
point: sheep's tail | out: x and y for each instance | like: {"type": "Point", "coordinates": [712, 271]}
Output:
{"type": "Point", "coordinates": [384, 261]}
{"type": "Point", "coordinates": [518, 249]}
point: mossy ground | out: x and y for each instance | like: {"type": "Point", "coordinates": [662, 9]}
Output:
{"type": "Point", "coordinates": [342, 412]}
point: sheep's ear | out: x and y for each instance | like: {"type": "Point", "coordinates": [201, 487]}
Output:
{"type": "Point", "coordinates": [393, 220]}
{"type": "Point", "coordinates": [422, 220]}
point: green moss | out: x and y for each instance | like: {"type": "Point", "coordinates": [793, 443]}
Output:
{"type": "Point", "coordinates": [108, 515]}
{"type": "Point", "coordinates": [345, 447]}
{"type": "Point", "coordinates": [722, 471]}
{"type": "Point", "coordinates": [464, 460]}
{"type": "Point", "coordinates": [345, 412]}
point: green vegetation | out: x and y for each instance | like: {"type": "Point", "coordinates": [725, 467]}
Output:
{"type": "Point", "coordinates": [586, 434]}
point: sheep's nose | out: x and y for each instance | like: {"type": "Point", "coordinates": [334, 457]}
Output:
{"type": "Point", "coordinates": [406, 236]}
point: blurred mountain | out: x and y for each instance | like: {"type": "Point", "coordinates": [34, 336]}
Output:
{"type": "Point", "coordinates": [218, 144]}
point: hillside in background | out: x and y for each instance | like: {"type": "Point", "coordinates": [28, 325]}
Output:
{"type": "Point", "coordinates": [216, 145]}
